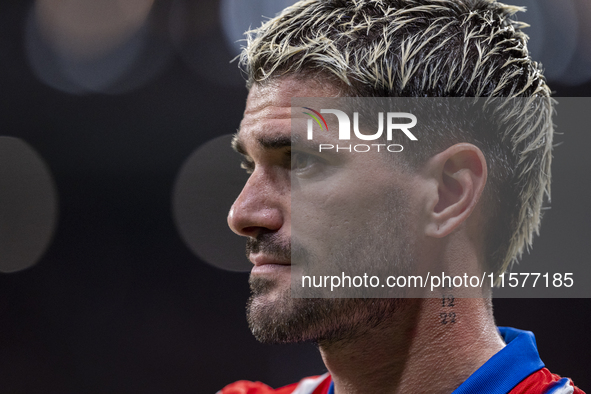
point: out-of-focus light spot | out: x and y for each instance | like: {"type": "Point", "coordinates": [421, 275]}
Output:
{"type": "Point", "coordinates": [238, 16]}
{"type": "Point", "coordinates": [206, 186]}
{"type": "Point", "coordinates": [81, 46]}
{"type": "Point", "coordinates": [87, 29]}
{"type": "Point", "coordinates": [28, 205]}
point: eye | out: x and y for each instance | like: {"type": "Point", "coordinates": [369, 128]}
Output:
{"type": "Point", "coordinates": [303, 162]}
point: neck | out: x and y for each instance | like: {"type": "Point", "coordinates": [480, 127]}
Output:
{"type": "Point", "coordinates": [431, 346]}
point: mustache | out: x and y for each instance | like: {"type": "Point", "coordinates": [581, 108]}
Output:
{"type": "Point", "coordinates": [271, 244]}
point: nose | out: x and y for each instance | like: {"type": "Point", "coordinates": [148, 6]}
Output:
{"type": "Point", "coordinates": [259, 208]}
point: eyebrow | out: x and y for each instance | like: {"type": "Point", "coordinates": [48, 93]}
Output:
{"type": "Point", "coordinates": [266, 142]}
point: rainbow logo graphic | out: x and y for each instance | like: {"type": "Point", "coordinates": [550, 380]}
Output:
{"type": "Point", "coordinates": [316, 118]}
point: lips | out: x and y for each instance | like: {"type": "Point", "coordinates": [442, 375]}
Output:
{"type": "Point", "coordinates": [261, 259]}
{"type": "Point", "coordinates": [264, 263]}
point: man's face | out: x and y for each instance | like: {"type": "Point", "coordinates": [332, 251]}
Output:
{"type": "Point", "coordinates": [345, 212]}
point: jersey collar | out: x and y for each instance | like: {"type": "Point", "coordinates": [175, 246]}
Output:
{"type": "Point", "coordinates": [503, 371]}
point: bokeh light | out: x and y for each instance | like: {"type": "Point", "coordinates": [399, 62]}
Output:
{"type": "Point", "coordinates": [87, 29]}
{"type": "Point", "coordinates": [81, 46]}
{"type": "Point", "coordinates": [28, 205]}
{"type": "Point", "coordinates": [205, 188]}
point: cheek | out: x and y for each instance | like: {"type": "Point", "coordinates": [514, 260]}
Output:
{"type": "Point", "coordinates": [321, 208]}
{"type": "Point", "coordinates": [339, 208]}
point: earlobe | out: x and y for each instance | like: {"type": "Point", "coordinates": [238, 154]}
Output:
{"type": "Point", "coordinates": [460, 173]}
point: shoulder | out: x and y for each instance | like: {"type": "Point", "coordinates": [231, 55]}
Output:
{"type": "Point", "coordinates": [310, 385]}
{"type": "Point", "coordinates": [545, 382]}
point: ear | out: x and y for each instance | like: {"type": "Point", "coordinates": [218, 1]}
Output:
{"type": "Point", "coordinates": [460, 175]}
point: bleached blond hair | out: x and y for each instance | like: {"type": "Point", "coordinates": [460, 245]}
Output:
{"type": "Point", "coordinates": [434, 48]}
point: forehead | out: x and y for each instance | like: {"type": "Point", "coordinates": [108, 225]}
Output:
{"type": "Point", "coordinates": [268, 109]}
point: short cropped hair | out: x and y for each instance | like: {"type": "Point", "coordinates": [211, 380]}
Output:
{"type": "Point", "coordinates": [431, 48]}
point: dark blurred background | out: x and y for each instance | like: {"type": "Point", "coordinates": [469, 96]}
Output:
{"type": "Point", "coordinates": [104, 288]}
